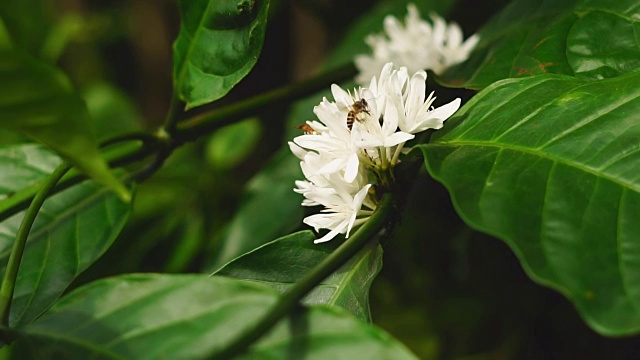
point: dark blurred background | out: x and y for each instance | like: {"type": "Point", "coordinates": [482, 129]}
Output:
{"type": "Point", "coordinates": [445, 291]}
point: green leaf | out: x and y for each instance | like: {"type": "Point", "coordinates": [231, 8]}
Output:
{"type": "Point", "coordinates": [589, 39]}
{"type": "Point", "coordinates": [550, 164]}
{"type": "Point", "coordinates": [151, 316]}
{"type": "Point", "coordinates": [232, 144]}
{"type": "Point", "coordinates": [283, 262]}
{"type": "Point", "coordinates": [28, 23]}
{"type": "Point", "coordinates": [111, 110]}
{"type": "Point", "coordinates": [24, 165]}
{"type": "Point", "coordinates": [527, 38]}
{"type": "Point", "coordinates": [219, 43]}
{"type": "Point", "coordinates": [72, 230]}
{"type": "Point", "coordinates": [37, 100]}
{"type": "Point", "coordinates": [603, 42]}
{"type": "Point", "coordinates": [269, 209]}
{"type": "Point", "coordinates": [327, 333]}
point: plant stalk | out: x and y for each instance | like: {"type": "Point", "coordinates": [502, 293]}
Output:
{"type": "Point", "coordinates": [196, 126]}
{"type": "Point", "coordinates": [188, 130]}
{"type": "Point", "coordinates": [172, 115]}
{"type": "Point", "coordinates": [292, 297]}
{"type": "Point", "coordinates": [11, 273]}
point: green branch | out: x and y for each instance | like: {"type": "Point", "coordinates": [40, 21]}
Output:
{"type": "Point", "coordinates": [188, 130]}
{"type": "Point", "coordinates": [129, 154]}
{"type": "Point", "coordinates": [172, 115]}
{"type": "Point", "coordinates": [11, 273]}
{"type": "Point", "coordinates": [332, 263]}
{"type": "Point", "coordinates": [196, 126]}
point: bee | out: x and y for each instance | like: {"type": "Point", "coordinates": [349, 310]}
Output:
{"type": "Point", "coordinates": [356, 112]}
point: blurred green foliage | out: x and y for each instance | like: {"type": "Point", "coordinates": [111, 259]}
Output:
{"type": "Point", "coordinates": [445, 290]}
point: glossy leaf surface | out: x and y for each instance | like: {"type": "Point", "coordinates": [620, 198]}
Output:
{"type": "Point", "coordinates": [219, 43]}
{"type": "Point", "coordinates": [551, 165]}
{"type": "Point", "coordinates": [588, 38]}
{"type": "Point", "coordinates": [327, 333]}
{"type": "Point", "coordinates": [150, 316]}
{"type": "Point", "coordinates": [603, 42]}
{"type": "Point", "coordinates": [72, 230]}
{"type": "Point", "coordinates": [36, 99]}
{"type": "Point", "coordinates": [283, 262]}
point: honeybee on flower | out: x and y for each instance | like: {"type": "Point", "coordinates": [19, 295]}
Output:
{"type": "Point", "coordinates": [343, 161]}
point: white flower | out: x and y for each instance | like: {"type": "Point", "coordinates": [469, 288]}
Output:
{"type": "Point", "coordinates": [341, 214]}
{"type": "Point", "coordinates": [339, 155]}
{"type": "Point", "coordinates": [416, 45]}
{"type": "Point", "coordinates": [448, 45]}
{"type": "Point", "coordinates": [373, 134]}
{"type": "Point", "coordinates": [413, 113]}
{"type": "Point", "coordinates": [357, 142]}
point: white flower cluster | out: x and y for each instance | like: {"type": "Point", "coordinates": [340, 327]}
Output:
{"type": "Point", "coordinates": [418, 45]}
{"type": "Point", "coordinates": [351, 151]}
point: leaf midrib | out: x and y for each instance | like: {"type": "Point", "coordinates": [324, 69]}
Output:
{"type": "Point", "coordinates": [541, 154]}
{"type": "Point", "coordinates": [212, 309]}
{"type": "Point", "coordinates": [192, 42]}
{"type": "Point", "coordinates": [341, 287]}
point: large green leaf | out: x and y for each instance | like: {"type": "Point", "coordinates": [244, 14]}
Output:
{"type": "Point", "coordinates": [28, 23]}
{"type": "Point", "coordinates": [219, 43]}
{"type": "Point", "coordinates": [603, 42]}
{"type": "Point", "coordinates": [283, 262]}
{"type": "Point", "coordinates": [73, 229]}
{"type": "Point", "coordinates": [322, 333]}
{"type": "Point", "coordinates": [37, 99]}
{"type": "Point", "coordinates": [151, 316]}
{"type": "Point", "coordinates": [590, 39]}
{"type": "Point", "coordinates": [550, 164]}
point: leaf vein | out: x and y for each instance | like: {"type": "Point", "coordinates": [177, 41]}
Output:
{"type": "Point", "coordinates": [537, 152]}
{"type": "Point", "coordinates": [589, 119]}
{"type": "Point", "coordinates": [499, 105]}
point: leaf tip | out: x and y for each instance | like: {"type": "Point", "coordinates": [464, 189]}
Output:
{"type": "Point", "coordinates": [123, 193]}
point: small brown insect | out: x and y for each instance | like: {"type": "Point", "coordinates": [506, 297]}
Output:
{"type": "Point", "coordinates": [306, 128]}
{"type": "Point", "coordinates": [356, 112]}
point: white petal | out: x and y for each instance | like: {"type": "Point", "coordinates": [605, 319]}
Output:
{"type": "Point", "coordinates": [470, 43]}
{"type": "Point", "coordinates": [356, 205]}
{"type": "Point", "coordinates": [445, 111]}
{"type": "Point", "coordinates": [341, 97]}
{"type": "Point", "coordinates": [397, 138]}
{"type": "Point", "coordinates": [297, 150]}
{"type": "Point", "coordinates": [351, 170]}
{"type": "Point", "coordinates": [416, 92]}
{"type": "Point", "coordinates": [331, 234]}
{"type": "Point", "coordinates": [324, 221]}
